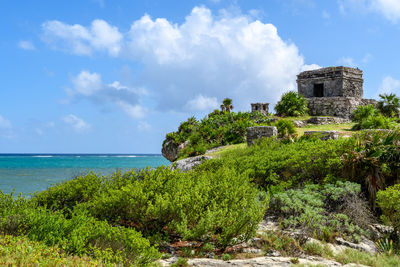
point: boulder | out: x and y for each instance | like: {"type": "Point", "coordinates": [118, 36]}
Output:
{"type": "Point", "coordinates": [257, 132]}
{"type": "Point", "coordinates": [327, 120]}
{"type": "Point", "coordinates": [189, 163]}
{"type": "Point", "coordinates": [170, 150]}
{"type": "Point", "coordinates": [323, 135]}
{"type": "Point", "coordinates": [299, 124]}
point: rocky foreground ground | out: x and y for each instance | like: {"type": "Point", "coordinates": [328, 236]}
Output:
{"type": "Point", "coordinates": [258, 257]}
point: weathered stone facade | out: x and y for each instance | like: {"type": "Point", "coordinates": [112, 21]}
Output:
{"type": "Point", "coordinates": [257, 132]}
{"type": "Point", "coordinates": [260, 107]}
{"type": "Point", "coordinates": [334, 106]}
{"type": "Point", "coordinates": [333, 91]}
{"type": "Point", "coordinates": [323, 135]}
{"type": "Point", "coordinates": [331, 82]}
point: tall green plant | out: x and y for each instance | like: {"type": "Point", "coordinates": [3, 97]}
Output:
{"type": "Point", "coordinates": [389, 105]}
{"type": "Point", "coordinates": [291, 104]}
{"type": "Point", "coordinates": [375, 161]}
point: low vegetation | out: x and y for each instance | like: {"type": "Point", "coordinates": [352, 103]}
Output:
{"type": "Point", "coordinates": [216, 129]}
{"type": "Point", "coordinates": [318, 187]}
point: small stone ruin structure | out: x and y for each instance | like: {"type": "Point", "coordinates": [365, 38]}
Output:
{"type": "Point", "coordinates": [260, 107]}
{"type": "Point", "coordinates": [333, 91]}
{"type": "Point", "coordinates": [257, 132]}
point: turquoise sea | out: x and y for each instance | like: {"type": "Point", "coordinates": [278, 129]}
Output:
{"type": "Point", "coordinates": [27, 173]}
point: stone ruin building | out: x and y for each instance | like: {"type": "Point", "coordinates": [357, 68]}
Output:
{"type": "Point", "coordinates": [333, 91]}
{"type": "Point", "coordinates": [260, 107]}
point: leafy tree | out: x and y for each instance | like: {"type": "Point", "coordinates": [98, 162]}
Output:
{"type": "Point", "coordinates": [291, 104]}
{"type": "Point", "coordinates": [227, 105]}
{"type": "Point", "coordinates": [389, 105]}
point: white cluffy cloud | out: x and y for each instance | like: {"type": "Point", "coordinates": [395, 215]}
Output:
{"type": "Point", "coordinates": [26, 45]}
{"type": "Point", "coordinates": [78, 124]}
{"type": "Point", "coordinates": [195, 64]}
{"type": "Point", "coordinates": [390, 9]}
{"type": "Point", "coordinates": [83, 40]}
{"type": "Point", "coordinates": [90, 86]}
{"type": "Point", "coordinates": [389, 85]}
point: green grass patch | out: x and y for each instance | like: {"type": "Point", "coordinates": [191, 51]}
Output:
{"type": "Point", "coordinates": [343, 129]}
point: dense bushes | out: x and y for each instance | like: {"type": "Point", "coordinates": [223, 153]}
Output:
{"type": "Point", "coordinates": [375, 161]}
{"type": "Point", "coordinates": [216, 129]}
{"type": "Point", "coordinates": [273, 164]}
{"type": "Point", "coordinates": [164, 204]}
{"type": "Point", "coordinates": [291, 104]}
{"type": "Point", "coordinates": [367, 117]}
{"type": "Point", "coordinates": [81, 234]}
{"type": "Point", "coordinates": [389, 105]}
{"type": "Point", "coordinates": [389, 202]}
{"type": "Point", "coordinates": [325, 211]}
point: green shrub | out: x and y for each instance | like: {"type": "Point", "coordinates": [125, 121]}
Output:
{"type": "Point", "coordinates": [320, 210]}
{"type": "Point", "coordinates": [285, 128]}
{"type": "Point", "coordinates": [196, 205]}
{"type": "Point", "coordinates": [67, 194]}
{"type": "Point", "coordinates": [226, 257]}
{"type": "Point", "coordinates": [216, 205]}
{"type": "Point", "coordinates": [275, 165]}
{"type": "Point", "coordinates": [216, 129]}
{"type": "Point", "coordinates": [389, 202]}
{"type": "Point", "coordinates": [291, 104]}
{"type": "Point", "coordinates": [367, 117]}
{"type": "Point", "coordinates": [373, 162]}
{"type": "Point", "coordinates": [389, 105]}
{"type": "Point", "coordinates": [285, 244]}
{"type": "Point", "coordinates": [79, 235]}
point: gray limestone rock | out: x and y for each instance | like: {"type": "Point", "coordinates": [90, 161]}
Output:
{"type": "Point", "coordinates": [189, 163]}
{"type": "Point", "coordinates": [257, 132]}
{"type": "Point", "coordinates": [170, 150]}
{"type": "Point", "coordinates": [323, 135]}
{"type": "Point", "coordinates": [327, 120]}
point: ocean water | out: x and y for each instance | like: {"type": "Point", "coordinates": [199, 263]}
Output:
{"type": "Point", "coordinates": [28, 173]}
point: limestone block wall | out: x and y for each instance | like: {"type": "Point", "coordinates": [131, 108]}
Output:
{"type": "Point", "coordinates": [336, 106]}
{"type": "Point", "coordinates": [335, 81]}
{"type": "Point", "coordinates": [257, 132]}
{"type": "Point", "coordinates": [260, 107]}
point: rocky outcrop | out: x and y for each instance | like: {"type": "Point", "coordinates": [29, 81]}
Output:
{"type": "Point", "coordinates": [323, 135]}
{"type": "Point", "coordinates": [259, 261]}
{"type": "Point", "coordinates": [170, 150]}
{"type": "Point", "coordinates": [257, 132]}
{"type": "Point", "coordinates": [189, 163]}
{"type": "Point", "coordinates": [327, 120]}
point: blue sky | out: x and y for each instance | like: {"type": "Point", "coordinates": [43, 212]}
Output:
{"type": "Point", "coordinates": [102, 76]}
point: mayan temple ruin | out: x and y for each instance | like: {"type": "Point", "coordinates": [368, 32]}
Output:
{"type": "Point", "coordinates": [333, 91]}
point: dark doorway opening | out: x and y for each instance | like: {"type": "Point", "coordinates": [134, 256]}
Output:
{"type": "Point", "coordinates": [318, 90]}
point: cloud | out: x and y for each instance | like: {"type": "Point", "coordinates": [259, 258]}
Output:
{"type": "Point", "coordinates": [347, 62]}
{"type": "Point", "coordinates": [4, 123]}
{"type": "Point", "coordinates": [202, 60]}
{"type": "Point", "coordinates": [89, 85]}
{"type": "Point", "coordinates": [390, 9]}
{"type": "Point", "coordinates": [201, 103]}
{"type": "Point", "coordinates": [144, 126]}
{"type": "Point", "coordinates": [81, 40]}
{"type": "Point", "coordinates": [78, 124]}
{"type": "Point", "coordinates": [389, 85]}
{"type": "Point", "coordinates": [26, 45]}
